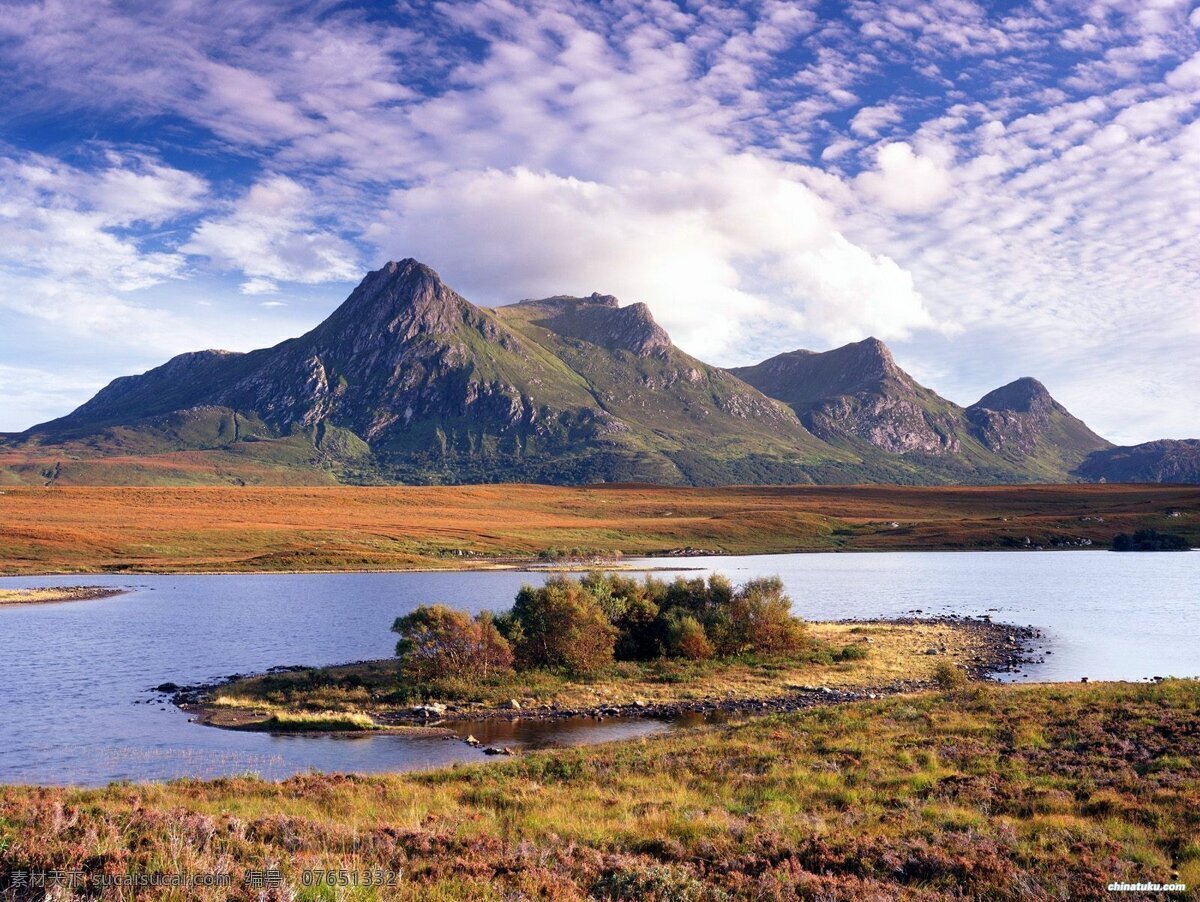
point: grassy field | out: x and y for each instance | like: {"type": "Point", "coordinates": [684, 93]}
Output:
{"type": "Point", "coordinates": [990, 792]}
{"type": "Point", "coordinates": [885, 653]}
{"type": "Point", "coordinates": [70, 529]}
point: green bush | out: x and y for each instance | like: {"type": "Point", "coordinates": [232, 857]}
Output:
{"type": "Point", "coordinates": [581, 626]}
{"type": "Point", "coordinates": [851, 653]}
{"type": "Point", "coordinates": [561, 626]}
{"type": "Point", "coordinates": [686, 638]}
{"type": "Point", "coordinates": [757, 618]}
{"type": "Point", "coordinates": [632, 607]}
{"type": "Point", "coordinates": [948, 676]}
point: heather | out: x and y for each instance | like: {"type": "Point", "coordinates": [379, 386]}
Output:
{"type": "Point", "coordinates": [986, 791]}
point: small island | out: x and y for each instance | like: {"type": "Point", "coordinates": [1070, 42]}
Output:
{"type": "Point", "coordinates": [610, 645]}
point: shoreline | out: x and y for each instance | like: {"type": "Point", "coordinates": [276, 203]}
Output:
{"type": "Point", "coordinates": [57, 594]}
{"type": "Point", "coordinates": [532, 565]}
{"type": "Point", "coordinates": [1001, 648]}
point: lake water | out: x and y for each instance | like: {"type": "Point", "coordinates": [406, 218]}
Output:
{"type": "Point", "coordinates": [75, 677]}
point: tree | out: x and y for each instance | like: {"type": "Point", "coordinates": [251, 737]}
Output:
{"type": "Point", "coordinates": [757, 618]}
{"type": "Point", "coordinates": [632, 608]}
{"type": "Point", "coordinates": [561, 626]}
{"type": "Point", "coordinates": [437, 641]}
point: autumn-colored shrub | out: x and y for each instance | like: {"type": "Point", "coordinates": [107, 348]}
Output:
{"type": "Point", "coordinates": [562, 626]}
{"type": "Point", "coordinates": [440, 642]}
{"type": "Point", "coordinates": [685, 637]}
{"type": "Point", "coordinates": [632, 606]}
{"type": "Point", "coordinates": [757, 618]}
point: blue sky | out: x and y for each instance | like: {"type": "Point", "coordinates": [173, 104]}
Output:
{"type": "Point", "coordinates": [996, 190]}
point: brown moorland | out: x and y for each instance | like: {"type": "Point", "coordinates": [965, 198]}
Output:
{"type": "Point", "coordinates": [986, 792]}
{"type": "Point", "coordinates": [148, 529]}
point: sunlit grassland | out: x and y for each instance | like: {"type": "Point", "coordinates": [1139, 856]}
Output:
{"type": "Point", "coordinates": [989, 791]}
{"type": "Point", "coordinates": [378, 528]}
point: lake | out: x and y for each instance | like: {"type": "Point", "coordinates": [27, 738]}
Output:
{"type": "Point", "coordinates": [75, 678]}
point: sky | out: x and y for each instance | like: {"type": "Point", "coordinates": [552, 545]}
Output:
{"type": "Point", "coordinates": [994, 189]}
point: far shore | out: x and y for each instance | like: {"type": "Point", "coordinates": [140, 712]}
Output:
{"type": "Point", "coordinates": [247, 529]}
{"type": "Point", "coordinates": [56, 594]}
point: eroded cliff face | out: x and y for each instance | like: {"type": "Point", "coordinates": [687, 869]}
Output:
{"type": "Point", "coordinates": [896, 425]}
{"type": "Point", "coordinates": [1014, 416]}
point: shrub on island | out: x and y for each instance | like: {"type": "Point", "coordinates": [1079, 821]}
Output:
{"type": "Point", "coordinates": [580, 627]}
{"type": "Point", "coordinates": [437, 641]}
{"type": "Point", "coordinates": [1150, 540]}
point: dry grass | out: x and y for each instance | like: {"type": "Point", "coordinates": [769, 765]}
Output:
{"type": "Point", "coordinates": [80, 529]}
{"type": "Point", "coordinates": [990, 792]}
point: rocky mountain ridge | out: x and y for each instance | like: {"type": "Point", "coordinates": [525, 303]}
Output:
{"type": "Point", "coordinates": [409, 381]}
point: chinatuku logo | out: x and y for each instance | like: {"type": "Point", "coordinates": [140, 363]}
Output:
{"type": "Point", "coordinates": [1147, 887]}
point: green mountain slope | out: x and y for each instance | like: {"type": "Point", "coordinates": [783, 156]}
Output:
{"type": "Point", "coordinates": [417, 384]}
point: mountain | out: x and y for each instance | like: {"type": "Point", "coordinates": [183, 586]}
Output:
{"type": "Point", "coordinates": [1166, 460]}
{"type": "Point", "coordinates": [857, 392]}
{"type": "Point", "coordinates": [407, 381]}
{"type": "Point", "coordinates": [1024, 425]}
{"type": "Point", "coordinates": [857, 397]}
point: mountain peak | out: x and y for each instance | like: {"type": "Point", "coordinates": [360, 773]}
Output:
{"type": "Point", "coordinates": [1023, 422]}
{"type": "Point", "coordinates": [402, 298]}
{"type": "Point", "coordinates": [1020, 396]}
{"type": "Point", "coordinates": [857, 391]}
{"type": "Point", "coordinates": [601, 320]}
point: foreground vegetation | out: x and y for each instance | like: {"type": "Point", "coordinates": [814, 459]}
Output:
{"type": "Point", "coordinates": [376, 528]}
{"type": "Point", "coordinates": [998, 792]}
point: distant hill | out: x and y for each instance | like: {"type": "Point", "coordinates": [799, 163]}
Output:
{"type": "Point", "coordinates": [407, 381]}
{"type": "Point", "coordinates": [1166, 460]}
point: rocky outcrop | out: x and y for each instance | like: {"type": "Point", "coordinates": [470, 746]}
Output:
{"type": "Point", "coordinates": [1014, 416]}
{"type": "Point", "coordinates": [858, 392]}
{"type": "Point", "coordinates": [600, 320]}
{"type": "Point", "coordinates": [1022, 421]}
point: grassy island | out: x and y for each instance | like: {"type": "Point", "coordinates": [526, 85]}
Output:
{"type": "Point", "coordinates": [608, 643]}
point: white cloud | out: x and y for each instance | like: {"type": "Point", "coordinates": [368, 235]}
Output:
{"type": "Point", "coordinates": [62, 222]}
{"type": "Point", "coordinates": [270, 235]}
{"type": "Point", "coordinates": [905, 181]}
{"type": "Point", "coordinates": [1187, 75]}
{"type": "Point", "coordinates": [869, 121]}
{"type": "Point", "coordinates": [719, 254]}
{"type": "Point", "coordinates": [1035, 182]}
{"type": "Point", "coordinates": [259, 286]}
